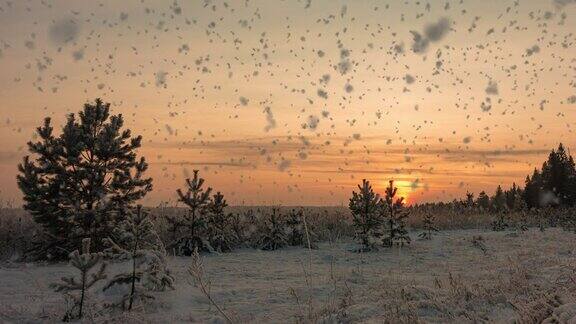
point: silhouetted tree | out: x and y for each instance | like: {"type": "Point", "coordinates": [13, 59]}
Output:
{"type": "Point", "coordinates": [395, 215]}
{"type": "Point", "coordinates": [533, 189]}
{"type": "Point", "coordinates": [483, 201]}
{"type": "Point", "coordinates": [429, 226]}
{"type": "Point", "coordinates": [469, 200]}
{"type": "Point", "coordinates": [192, 227]}
{"type": "Point", "coordinates": [558, 176]}
{"type": "Point", "coordinates": [365, 206]}
{"type": "Point", "coordinates": [295, 227]}
{"type": "Point", "coordinates": [514, 199]}
{"type": "Point", "coordinates": [498, 201]}
{"type": "Point", "coordinates": [555, 184]}
{"type": "Point", "coordinates": [272, 233]}
{"type": "Point", "coordinates": [79, 182]}
{"type": "Point", "coordinates": [221, 237]}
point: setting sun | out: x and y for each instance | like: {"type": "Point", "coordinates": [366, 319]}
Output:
{"type": "Point", "coordinates": [405, 188]}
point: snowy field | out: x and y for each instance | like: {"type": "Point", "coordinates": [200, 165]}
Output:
{"type": "Point", "coordinates": [503, 277]}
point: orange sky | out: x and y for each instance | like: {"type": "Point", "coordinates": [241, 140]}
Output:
{"type": "Point", "coordinates": [294, 102]}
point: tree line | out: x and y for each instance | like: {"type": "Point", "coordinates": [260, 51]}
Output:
{"type": "Point", "coordinates": [553, 185]}
{"type": "Point", "coordinates": [88, 179]}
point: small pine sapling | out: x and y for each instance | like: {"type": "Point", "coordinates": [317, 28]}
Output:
{"type": "Point", "coordinates": [273, 235]}
{"type": "Point", "coordinates": [501, 221]}
{"type": "Point", "coordinates": [395, 215]}
{"type": "Point", "coordinates": [194, 222]}
{"type": "Point", "coordinates": [175, 224]}
{"type": "Point", "coordinates": [84, 262]}
{"type": "Point", "coordinates": [221, 237]}
{"type": "Point", "coordinates": [478, 242]}
{"type": "Point", "coordinates": [429, 227]}
{"type": "Point", "coordinates": [238, 228]}
{"type": "Point", "coordinates": [295, 228]}
{"type": "Point", "coordinates": [523, 221]}
{"type": "Point", "coordinates": [364, 206]}
{"type": "Point", "coordinates": [136, 240]}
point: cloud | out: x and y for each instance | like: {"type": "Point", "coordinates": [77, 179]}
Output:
{"type": "Point", "coordinates": [206, 163]}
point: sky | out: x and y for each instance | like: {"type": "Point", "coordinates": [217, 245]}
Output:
{"type": "Point", "coordinates": [295, 102]}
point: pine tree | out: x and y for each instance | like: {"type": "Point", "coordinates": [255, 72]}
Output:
{"type": "Point", "coordinates": [295, 228]}
{"type": "Point", "coordinates": [558, 173]}
{"type": "Point", "coordinates": [513, 198]}
{"type": "Point", "coordinates": [77, 181]}
{"type": "Point", "coordinates": [221, 237]}
{"type": "Point", "coordinates": [395, 214]}
{"type": "Point", "coordinates": [483, 201]}
{"type": "Point", "coordinates": [239, 224]}
{"type": "Point", "coordinates": [194, 227]}
{"type": "Point", "coordinates": [136, 240]}
{"type": "Point", "coordinates": [469, 200]}
{"type": "Point", "coordinates": [500, 210]}
{"type": "Point", "coordinates": [365, 207]}
{"type": "Point", "coordinates": [533, 189]}
{"type": "Point", "coordinates": [555, 184]}
{"type": "Point", "coordinates": [84, 262]}
{"type": "Point", "coordinates": [498, 201]}
{"type": "Point", "coordinates": [272, 234]}
{"type": "Point", "coordinates": [429, 226]}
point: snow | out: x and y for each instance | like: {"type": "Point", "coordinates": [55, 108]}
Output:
{"type": "Point", "coordinates": [447, 279]}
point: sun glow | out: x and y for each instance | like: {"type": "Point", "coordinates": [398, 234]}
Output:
{"type": "Point", "coordinates": [405, 188]}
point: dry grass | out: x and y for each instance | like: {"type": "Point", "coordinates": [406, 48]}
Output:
{"type": "Point", "coordinates": [526, 278]}
{"type": "Point", "coordinates": [326, 224]}
{"type": "Point", "coordinates": [459, 276]}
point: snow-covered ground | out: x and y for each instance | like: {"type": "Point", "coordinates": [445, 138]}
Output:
{"type": "Point", "coordinates": [525, 277]}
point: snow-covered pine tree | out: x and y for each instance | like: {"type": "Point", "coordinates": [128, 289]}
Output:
{"type": "Point", "coordinates": [76, 182]}
{"type": "Point", "coordinates": [220, 235]}
{"type": "Point", "coordinates": [429, 226]}
{"type": "Point", "coordinates": [136, 241]}
{"type": "Point", "coordinates": [272, 234]}
{"type": "Point", "coordinates": [365, 207]}
{"type": "Point", "coordinates": [192, 237]}
{"type": "Point", "coordinates": [84, 262]}
{"type": "Point", "coordinates": [395, 215]}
